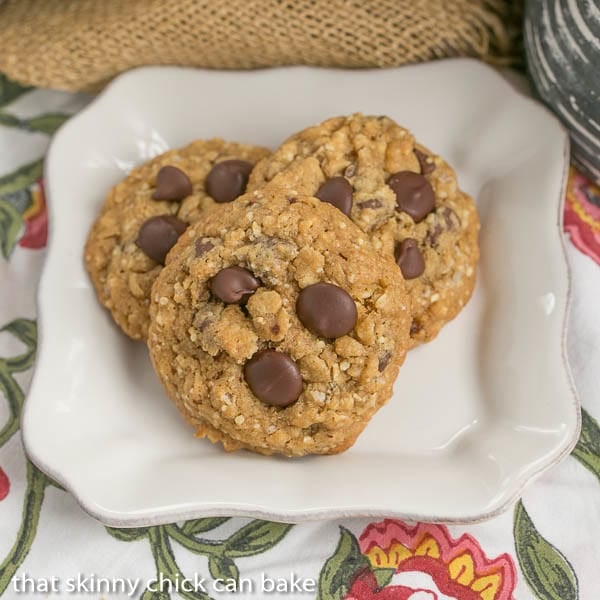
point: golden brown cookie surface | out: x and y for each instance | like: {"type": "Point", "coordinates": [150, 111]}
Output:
{"type": "Point", "coordinates": [405, 198]}
{"type": "Point", "coordinates": [276, 327]}
{"type": "Point", "coordinates": [145, 213]}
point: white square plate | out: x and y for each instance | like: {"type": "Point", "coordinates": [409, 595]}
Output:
{"type": "Point", "coordinates": [475, 415]}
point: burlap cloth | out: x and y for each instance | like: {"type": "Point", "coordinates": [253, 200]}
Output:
{"type": "Point", "coordinates": [81, 44]}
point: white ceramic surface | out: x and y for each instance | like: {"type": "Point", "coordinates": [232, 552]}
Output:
{"type": "Point", "coordinates": [475, 415]}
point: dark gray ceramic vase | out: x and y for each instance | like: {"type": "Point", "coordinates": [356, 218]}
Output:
{"type": "Point", "coordinates": [562, 43]}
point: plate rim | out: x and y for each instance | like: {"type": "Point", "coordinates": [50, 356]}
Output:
{"type": "Point", "coordinates": [166, 515]}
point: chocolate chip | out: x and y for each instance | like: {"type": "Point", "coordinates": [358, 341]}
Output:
{"type": "Point", "coordinates": [228, 179]}
{"type": "Point", "coordinates": [202, 247]}
{"type": "Point", "coordinates": [233, 285]}
{"type": "Point", "coordinates": [425, 162]}
{"type": "Point", "coordinates": [384, 361]}
{"type": "Point", "coordinates": [450, 222]}
{"type": "Point", "coordinates": [350, 170]}
{"type": "Point", "coordinates": [373, 203]}
{"type": "Point", "coordinates": [415, 327]}
{"type": "Point", "coordinates": [274, 378]}
{"type": "Point", "coordinates": [158, 235]}
{"type": "Point", "coordinates": [172, 184]}
{"type": "Point", "coordinates": [336, 191]}
{"type": "Point", "coordinates": [204, 324]}
{"type": "Point", "coordinates": [451, 218]}
{"type": "Point", "coordinates": [313, 429]}
{"type": "Point", "coordinates": [432, 236]}
{"type": "Point", "coordinates": [326, 310]}
{"type": "Point", "coordinates": [414, 194]}
{"type": "Point", "coordinates": [409, 259]}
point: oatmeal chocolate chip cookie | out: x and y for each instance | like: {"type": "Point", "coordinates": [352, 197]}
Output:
{"type": "Point", "coordinates": [405, 198]}
{"type": "Point", "coordinates": [344, 161]}
{"type": "Point", "coordinates": [276, 327]}
{"type": "Point", "coordinates": [144, 215]}
{"type": "Point", "coordinates": [437, 255]}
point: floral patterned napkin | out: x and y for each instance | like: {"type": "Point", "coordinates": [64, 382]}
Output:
{"type": "Point", "coordinates": [544, 547]}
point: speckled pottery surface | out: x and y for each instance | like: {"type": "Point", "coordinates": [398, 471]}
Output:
{"type": "Point", "coordinates": [562, 42]}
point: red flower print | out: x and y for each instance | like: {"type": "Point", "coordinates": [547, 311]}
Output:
{"type": "Point", "coordinates": [4, 484]}
{"type": "Point", "coordinates": [36, 219]}
{"type": "Point", "coordinates": [365, 588]}
{"type": "Point", "coordinates": [582, 214]}
{"type": "Point", "coordinates": [430, 565]}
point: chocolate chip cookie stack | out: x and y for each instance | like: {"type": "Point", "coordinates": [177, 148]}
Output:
{"type": "Point", "coordinates": [405, 199]}
{"type": "Point", "coordinates": [145, 213]}
{"type": "Point", "coordinates": [279, 293]}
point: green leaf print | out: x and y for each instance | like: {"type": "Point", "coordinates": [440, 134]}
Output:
{"type": "Point", "coordinates": [21, 178]}
{"type": "Point", "coordinates": [128, 535]}
{"type": "Point", "coordinates": [224, 568]}
{"type": "Point", "coordinates": [47, 123]}
{"type": "Point", "coordinates": [10, 90]}
{"type": "Point", "coordinates": [11, 225]}
{"type": "Point", "coordinates": [383, 576]}
{"type": "Point", "coordinates": [189, 542]}
{"type": "Point", "coordinates": [11, 185]}
{"type": "Point", "coordinates": [196, 526]}
{"type": "Point", "coordinates": [167, 566]}
{"type": "Point", "coordinates": [34, 498]}
{"type": "Point", "coordinates": [255, 538]}
{"type": "Point", "coordinates": [341, 568]}
{"type": "Point", "coordinates": [546, 570]}
{"type": "Point", "coordinates": [587, 451]}
{"type": "Point", "coordinates": [148, 595]}
{"type": "Point", "coordinates": [10, 389]}
{"type": "Point", "coordinates": [26, 331]}
{"type": "Point", "coordinates": [9, 120]}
